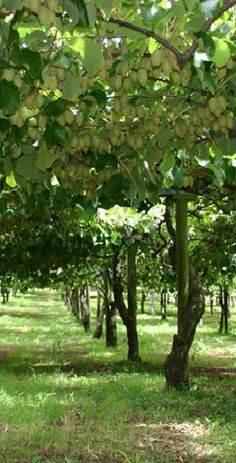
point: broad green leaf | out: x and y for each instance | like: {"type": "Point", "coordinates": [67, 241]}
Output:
{"type": "Point", "coordinates": [13, 4]}
{"type": "Point", "coordinates": [167, 163]}
{"type": "Point", "coordinates": [45, 159]}
{"type": "Point", "coordinates": [26, 168]}
{"type": "Point", "coordinates": [163, 137]}
{"type": "Point", "coordinates": [9, 97]}
{"type": "Point", "coordinates": [73, 12]}
{"type": "Point", "coordinates": [55, 134]}
{"type": "Point", "coordinates": [222, 53]}
{"type": "Point", "coordinates": [34, 61]}
{"type": "Point", "coordinates": [82, 13]}
{"type": "Point", "coordinates": [4, 30]}
{"type": "Point", "coordinates": [105, 5]}
{"type": "Point", "coordinates": [7, 163]}
{"type": "Point", "coordinates": [90, 52]}
{"type": "Point", "coordinates": [72, 87]}
{"type": "Point", "coordinates": [195, 24]}
{"type": "Point", "coordinates": [91, 11]}
{"type": "Point", "coordinates": [10, 180]}
{"type": "Point", "coordinates": [55, 108]}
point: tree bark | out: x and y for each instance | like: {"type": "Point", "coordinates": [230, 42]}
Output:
{"type": "Point", "coordinates": [224, 303]}
{"type": "Point", "coordinates": [143, 298]}
{"type": "Point", "coordinates": [99, 326]}
{"type": "Point", "coordinates": [212, 303]}
{"type": "Point", "coordinates": [84, 304]}
{"type": "Point", "coordinates": [100, 317]}
{"type": "Point", "coordinates": [191, 301]}
{"type": "Point", "coordinates": [128, 315]}
{"type": "Point", "coordinates": [163, 303]}
{"type": "Point", "coordinates": [110, 312]}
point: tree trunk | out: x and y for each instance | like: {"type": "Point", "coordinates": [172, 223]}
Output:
{"type": "Point", "coordinates": [100, 317]}
{"type": "Point", "coordinates": [128, 315]}
{"type": "Point", "coordinates": [133, 349]}
{"type": "Point", "coordinates": [143, 298]}
{"type": "Point", "coordinates": [176, 365]}
{"type": "Point", "coordinates": [110, 313]}
{"type": "Point", "coordinates": [111, 329]}
{"type": "Point", "coordinates": [99, 327]}
{"type": "Point", "coordinates": [223, 299]}
{"type": "Point", "coordinates": [152, 304]}
{"type": "Point", "coordinates": [212, 303]}
{"type": "Point", "coordinates": [84, 304]}
{"type": "Point", "coordinates": [163, 303]}
{"type": "Point", "coordinates": [74, 302]}
{"type": "Point", "coordinates": [191, 302]}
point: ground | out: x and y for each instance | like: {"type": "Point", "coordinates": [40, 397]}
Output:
{"type": "Point", "coordinates": [66, 398]}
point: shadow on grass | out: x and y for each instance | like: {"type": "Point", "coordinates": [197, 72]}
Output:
{"type": "Point", "coordinates": [25, 314]}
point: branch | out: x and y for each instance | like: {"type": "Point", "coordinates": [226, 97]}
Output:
{"type": "Point", "coordinates": [184, 57]}
{"type": "Point", "coordinates": [187, 55]}
{"type": "Point", "coordinates": [165, 43]}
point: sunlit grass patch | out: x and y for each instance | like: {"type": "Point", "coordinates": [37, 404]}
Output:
{"type": "Point", "coordinates": [66, 398]}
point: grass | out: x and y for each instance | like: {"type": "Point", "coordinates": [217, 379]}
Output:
{"type": "Point", "coordinates": [66, 398]}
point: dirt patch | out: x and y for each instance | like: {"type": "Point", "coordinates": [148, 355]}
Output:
{"type": "Point", "coordinates": [179, 442]}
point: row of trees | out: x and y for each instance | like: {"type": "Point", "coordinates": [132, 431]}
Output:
{"type": "Point", "coordinates": [120, 102]}
{"type": "Point", "coordinates": [116, 251]}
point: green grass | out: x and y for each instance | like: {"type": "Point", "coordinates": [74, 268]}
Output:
{"type": "Point", "coordinates": [66, 398]}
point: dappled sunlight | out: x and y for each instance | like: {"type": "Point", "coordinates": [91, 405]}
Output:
{"type": "Point", "coordinates": [73, 388]}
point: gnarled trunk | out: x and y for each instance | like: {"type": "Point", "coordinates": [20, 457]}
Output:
{"type": "Point", "coordinates": [176, 365]}
{"type": "Point", "coordinates": [128, 315]}
{"type": "Point", "coordinates": [191, 300]}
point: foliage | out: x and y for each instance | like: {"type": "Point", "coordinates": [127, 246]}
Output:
{"type": "Point", "coordinates": [118, 98]}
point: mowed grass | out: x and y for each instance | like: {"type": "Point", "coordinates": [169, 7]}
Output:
{"type": "Point", "coordinates": [66, 398]}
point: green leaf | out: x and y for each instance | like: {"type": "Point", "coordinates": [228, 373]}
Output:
{"type": "Point", "coordinates": [10, 180]}
{"type": "Point", "coordinates": [73, 12]}
{"type": "Point", "coordinates": [90, 52]}
{"type": "Point", "coordinates": [4, 125]}
{"type": "Point", "coordinates": [9, 97]}
{"type": "Point", "coordinates": [105, 5]}
{"type": "Point", "coordinates": [209, 8]}
{"type": "Point", "coordinates": [91, 11]}
{"type": "Point", "coordinates": [34, 62]}
{"type": "Point", "coordinates": [82, 13]}
{"type": "Point", "coordinates": [12, 4]}
{"type": "Point", "coordinates": [55, 134]}
{"type": "Point", "coordinates": [163, 137]}
{"type": "Point", "coordinates": [45, 159]}
{"type": "Point", "coordinates": [7, 163]}
{"type": "Point", "coordinates": [167, 163]}
{"type": "Point", "coordinates": [195, 24]}
{"type": "Point", "coordinates": [55, 108]}
{"type": "Point", "coordinates": [26, 168]}
{"type": "Point", "coordinates": [221, 54]}
{"type": "Point", "coordinates": [72, 87]}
